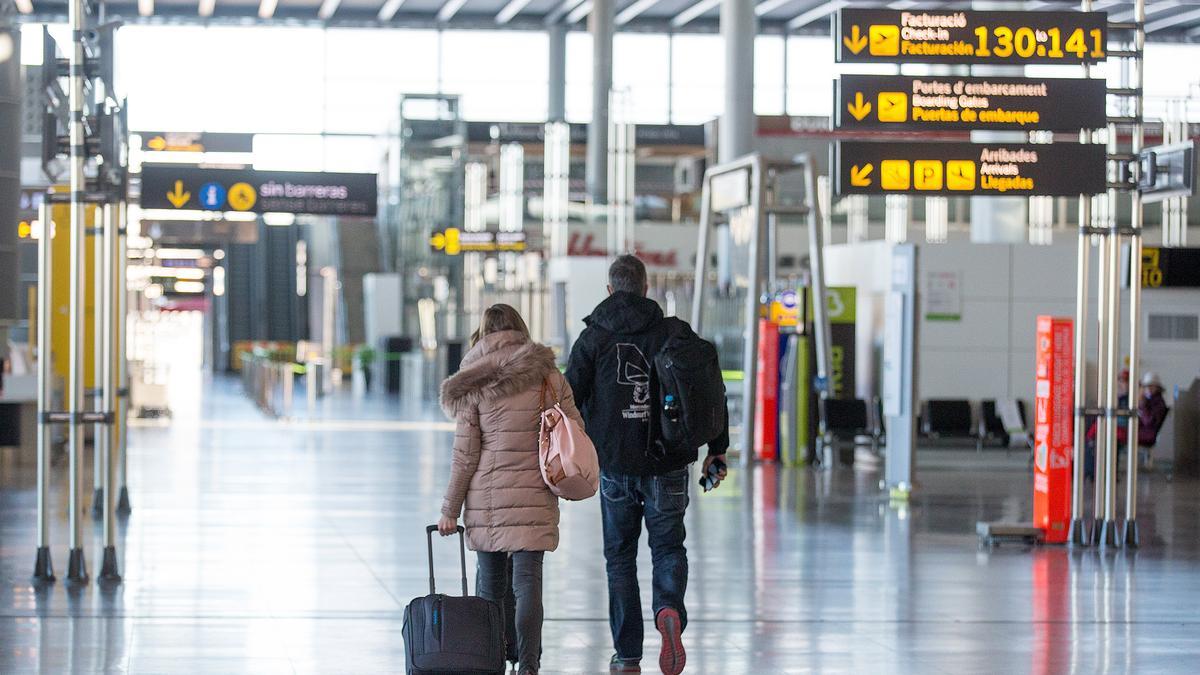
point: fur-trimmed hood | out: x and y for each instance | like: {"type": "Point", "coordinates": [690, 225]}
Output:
{"type": "Point", "coordinates": [499, 365]}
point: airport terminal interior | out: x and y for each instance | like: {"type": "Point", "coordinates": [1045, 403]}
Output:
{"type": "Point", "coordinates": [937, 255]}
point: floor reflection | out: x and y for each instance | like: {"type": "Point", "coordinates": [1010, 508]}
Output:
{"type": "Point", "coordinates": [258, 547]}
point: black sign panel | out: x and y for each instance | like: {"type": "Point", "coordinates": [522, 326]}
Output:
{"type": "Point", "coordinates": [946, 36]}
{"type": "Point", "coordinates": [168, 186]}
{"type": "Point", "coordinates": [1012, 169]}
{"type": "Point", "coordinates": [948, 102]}
{"type": "Point", "coordinates": [195, 141]}
{"type": "Point", "coordinates": [1170, 267]}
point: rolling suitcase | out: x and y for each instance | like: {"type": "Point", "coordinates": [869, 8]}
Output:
{"type": "Point", "coordinates": [451, 635]}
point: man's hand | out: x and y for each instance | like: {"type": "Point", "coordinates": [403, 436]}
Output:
{"type": "Point", "coordinates": [709, 461]}
{"type": "Point", "coordinates": [447, 526]}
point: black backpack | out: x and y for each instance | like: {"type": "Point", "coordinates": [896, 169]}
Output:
{"type": "Point", "coordinates": [688, 369]}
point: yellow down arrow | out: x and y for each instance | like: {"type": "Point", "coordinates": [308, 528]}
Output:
{"type": "Point", "coordinates": [856, 41]}
{"type": "Point", "coordinates": [179, 197]}
{"type": "Point", "coordinates": [859, 176]}
{"type": "Point", "coordinates": [859, 108]}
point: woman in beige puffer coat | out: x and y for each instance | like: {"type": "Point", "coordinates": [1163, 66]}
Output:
{"type": "Point", "coordinates": [505, 382]}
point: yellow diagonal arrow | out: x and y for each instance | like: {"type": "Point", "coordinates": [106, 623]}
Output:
{"type": "Point", "coordinates": [856, 42]}
{"type": "Point", "coordinates": [859, 176]}
{"type": "Point", "coordinates": [859, 108]}
{"type": "Point", "coordinates": [179, 197]}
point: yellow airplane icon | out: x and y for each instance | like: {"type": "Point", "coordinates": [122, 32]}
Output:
{"type": "Point", "coordinates": [885, 40]}
{"type": "Point", "coordinates": [960, 174]}
{"type": "Point", "coordinates": [895, 174]}
{"type": "Point", "coordinates": [893, 106]}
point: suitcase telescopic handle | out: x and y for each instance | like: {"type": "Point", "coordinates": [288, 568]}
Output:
{"type": "Point", "coordinates": [462, 550]}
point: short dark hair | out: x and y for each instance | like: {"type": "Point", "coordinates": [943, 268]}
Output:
{"type": "Point", "coordinates": [627, 273]}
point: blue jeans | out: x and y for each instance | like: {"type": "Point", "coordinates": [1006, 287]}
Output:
{"type": "Point", "coordinates": [624, 502]}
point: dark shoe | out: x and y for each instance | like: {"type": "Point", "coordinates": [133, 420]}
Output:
{"type": "Point", "coordinates": [672, 659]}
{"type": "Point", "coordinates": [620, 665]}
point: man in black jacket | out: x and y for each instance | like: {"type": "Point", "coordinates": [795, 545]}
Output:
{"type": "Point", "coordinates": [610, 371]}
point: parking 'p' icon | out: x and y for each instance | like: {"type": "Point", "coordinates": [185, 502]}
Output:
{"type": "Point", "coordinates": [927, 174]}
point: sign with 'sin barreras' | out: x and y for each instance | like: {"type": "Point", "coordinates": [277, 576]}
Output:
{"type": "Point", "coordinates": [181, 187]}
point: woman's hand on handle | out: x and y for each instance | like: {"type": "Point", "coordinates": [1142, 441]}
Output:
{"type": "Point", "coordinates": [447, 526]}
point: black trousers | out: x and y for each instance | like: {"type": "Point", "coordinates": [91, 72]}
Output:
{"type": "Point", "coordinates": [514, 581]}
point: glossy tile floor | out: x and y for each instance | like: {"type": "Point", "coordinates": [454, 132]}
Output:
{"type": "Point", "coordinates": [263, 547]}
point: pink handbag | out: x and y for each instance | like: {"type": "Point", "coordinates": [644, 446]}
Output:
{"type": "Point", "coordinates": [566, 455]}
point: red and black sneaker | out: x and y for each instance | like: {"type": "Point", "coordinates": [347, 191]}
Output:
{"type": "Point", "coordinates": [672, 659]}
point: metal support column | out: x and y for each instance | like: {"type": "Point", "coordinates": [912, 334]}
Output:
{"type": "Point", "coordinates": [557, 100]}
{"type": "Point", "coordinates": [601, 25]}
{"type": "Point", "coordinates": [1130, 536]}
{"type": "Point", "coordinates": [76, 566]}
{"type": "Point", "coordinates": [738, 29]}
{"type": "Point", "coordinates": [43, 569]}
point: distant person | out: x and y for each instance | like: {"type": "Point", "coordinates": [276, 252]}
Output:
{"type": "Point", "coordinates": [610, 371]}
{"type": "Point", "coordinates": [1152, 412]}
{"type": "Point", "coordinates": [511, 517]}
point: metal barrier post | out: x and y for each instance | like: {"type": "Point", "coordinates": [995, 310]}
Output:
{"type": "Point", "coordinates": [754, 288]}
{"type": "Point", "coordinates": [1130, 536]}
{"type": "Point", "coordinates": [43, 569]}
{"type": "Point", "coordinates": [99, 384]}
{"type": "Point", "coordinates": [1079, 532]}
{"type": "Point", "coordinates": [1108, 533]}
{"type": "Point", "coordinates": [816, 257]}
{"type": "Point", "coordinates": [106, 374]}
{"type": "Point", "coordinates": [76, 566]}
{"type": "Point", "coordinates": [121, 301]}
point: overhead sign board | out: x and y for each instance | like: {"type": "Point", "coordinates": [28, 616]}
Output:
{"type": "Point", "coordinates": [969, 37]}
{"type": "Point", "coordinates": [183, 187]}
{"type": "Point", "coordinates": [948, 102]}
{"type": "Point", "coordinates": [195, 141]}
{"type": "Point", "coordinates": [1170, 267]}
{"type": "Point", "coordinates": [453, 241]}
{"type": "Point", "coordinates": [1011, 169]}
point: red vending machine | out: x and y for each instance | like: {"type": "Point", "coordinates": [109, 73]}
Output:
{"type": "Point", "coordinates": [1053, 428]}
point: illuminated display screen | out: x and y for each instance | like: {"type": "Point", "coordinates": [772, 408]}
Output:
{"type": "Point", "coordinates": [952, 103]}
{"type": "Point", "coordinates": [942, 36]}
{"type": "Point", "coordinates": [1060, 169]}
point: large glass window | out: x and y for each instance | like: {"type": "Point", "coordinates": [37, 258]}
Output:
{"type": "Point", "coordinates": [699, 78]}
{"type": "Point", "coordinates": [579, 77]}
{"type": "Point", "coordinates": [502, 75]}
{"type": "Point", "coordinates": [368, 70]}
{"type": "Point", "coordinates": [222, 78]}
{"type": "Point", "coordinates": [768, 75]}
{"type": "Point", "coordinates": [642, 66]}
{"type": "Point", "coordinates": [810, 76]}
